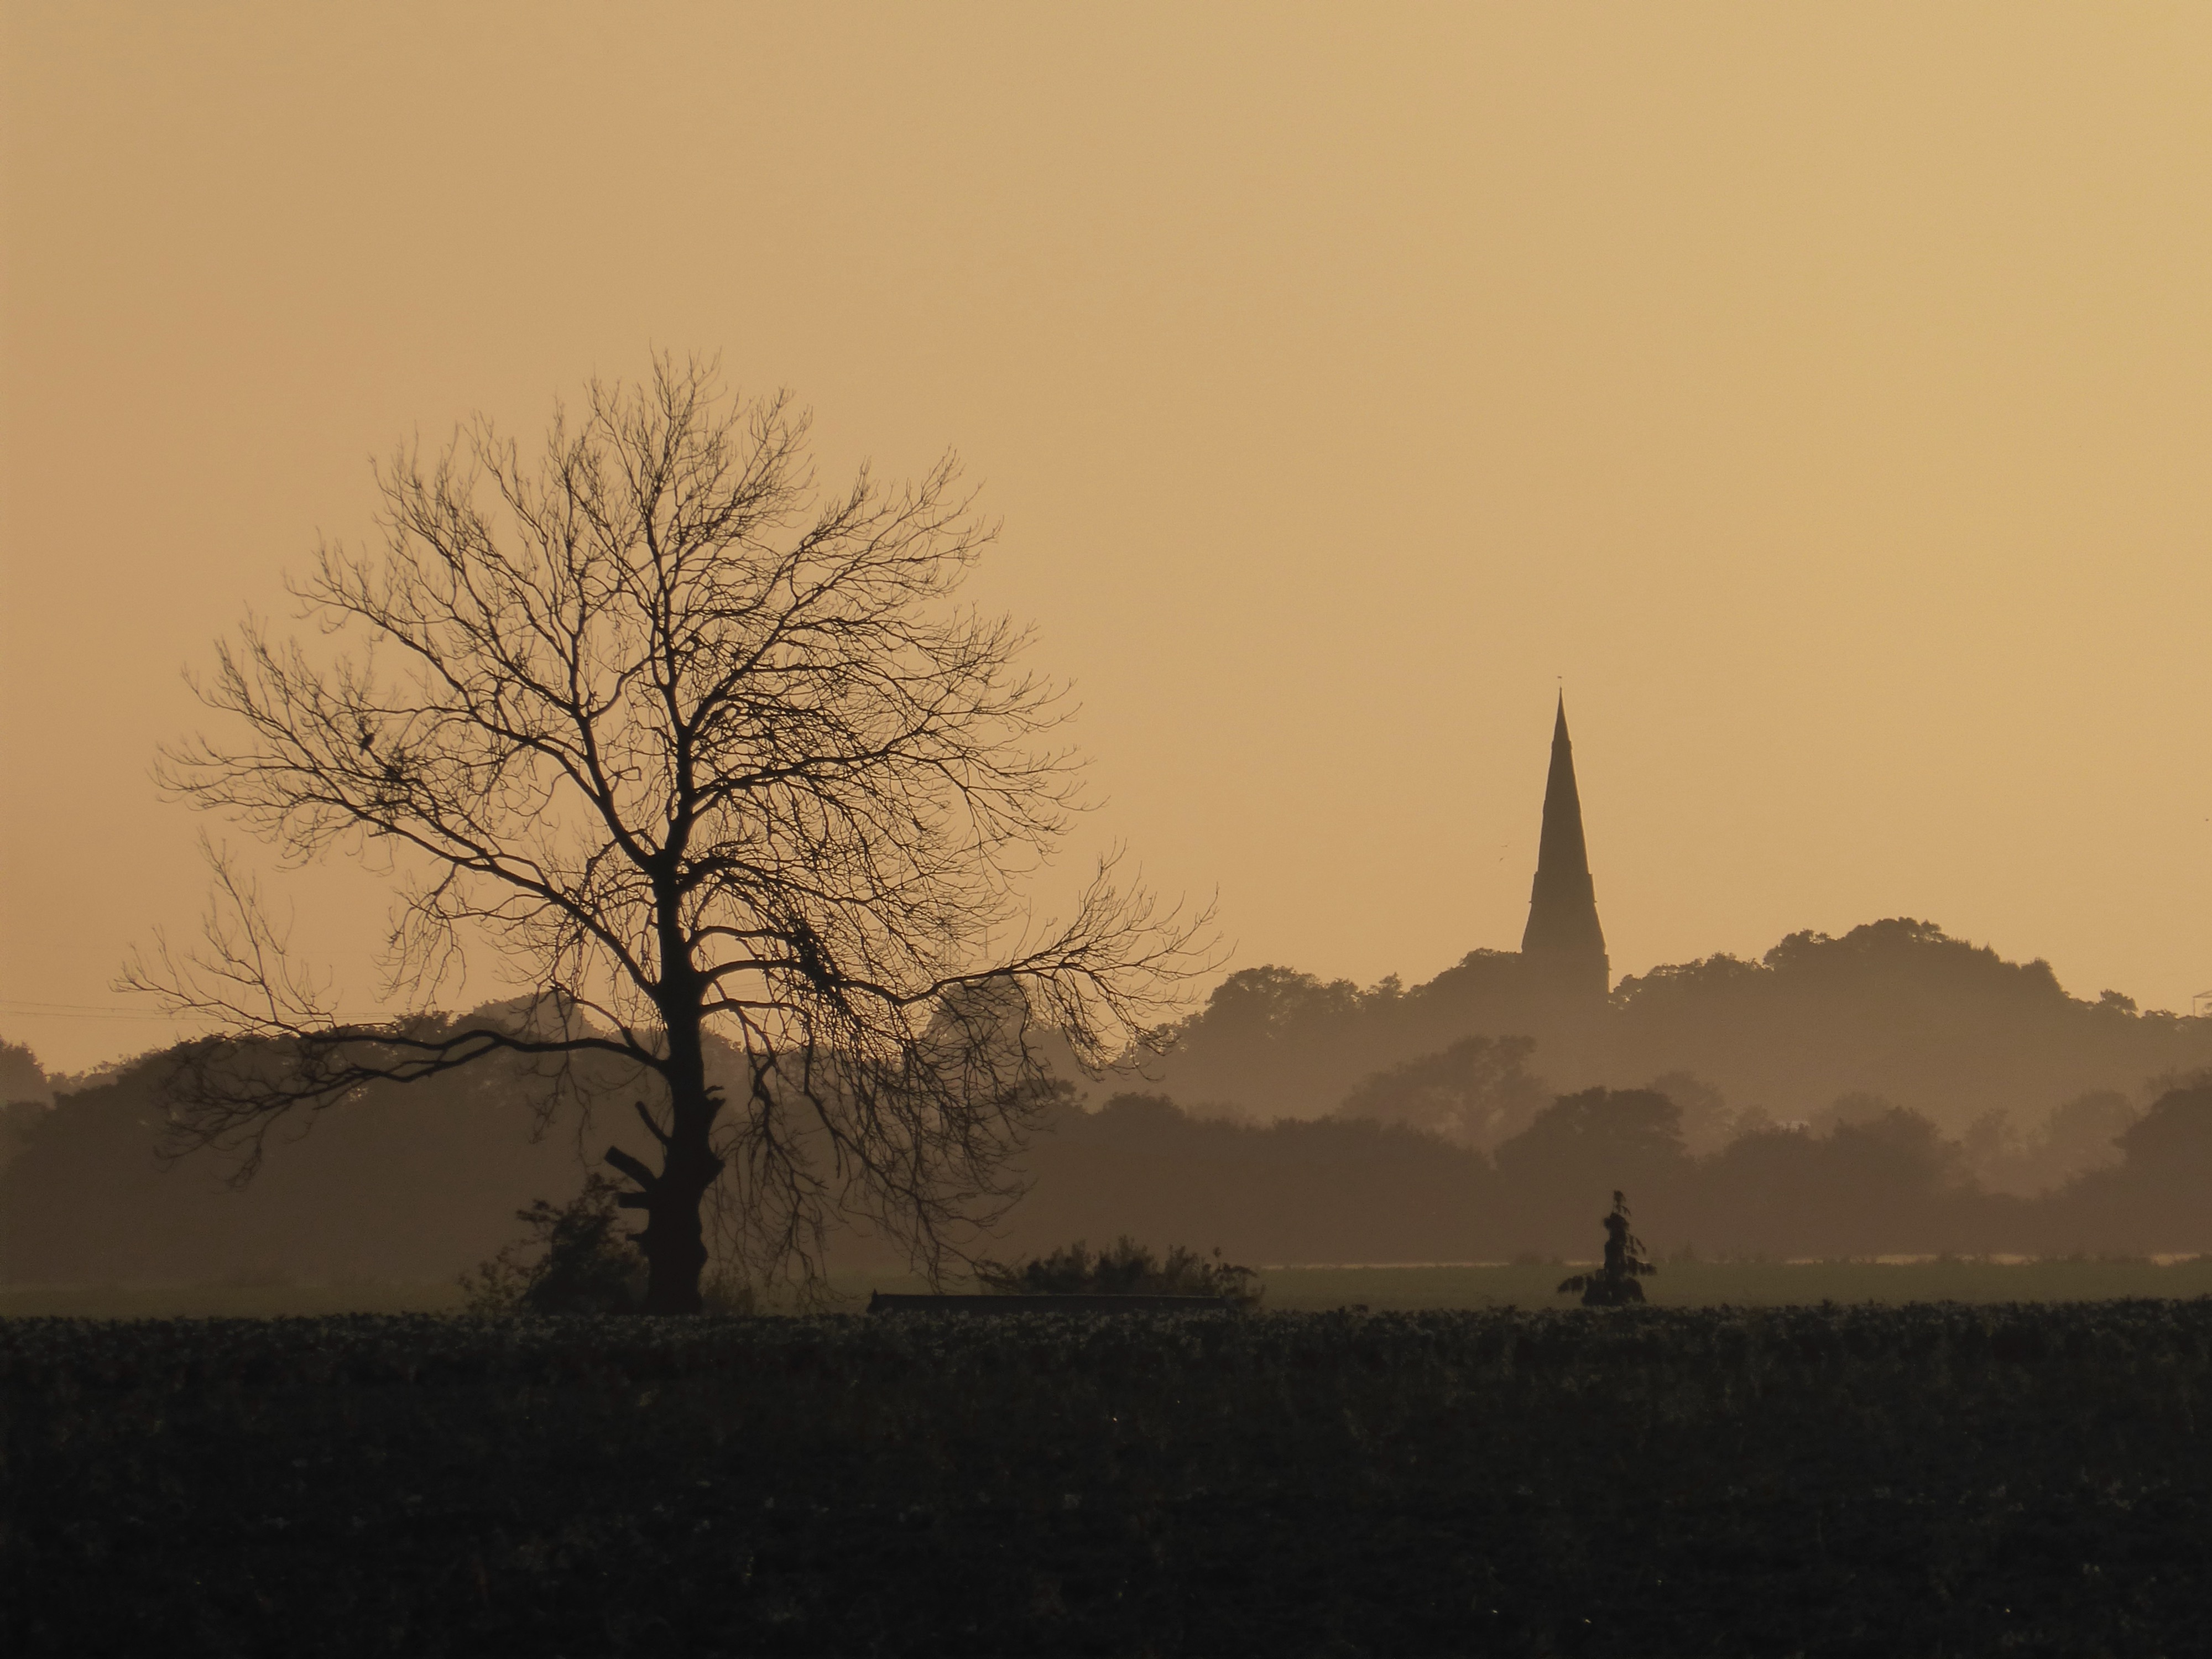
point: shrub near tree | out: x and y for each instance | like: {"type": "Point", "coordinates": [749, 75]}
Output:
{"type": "Point", "coordinates": [1126, 1269]}
{"type": "Point", "coordinates": [586, 1262]}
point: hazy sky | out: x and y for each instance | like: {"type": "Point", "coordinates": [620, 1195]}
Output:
{"type": "Point", "coordinates": [1824, 393]}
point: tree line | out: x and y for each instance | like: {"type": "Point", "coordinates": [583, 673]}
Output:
{"type": "Point", "coordinates": [1353, 1189]}
{"type": "Point", "coordinates": [422, 1181]}
{"type": "Point", "coordinates": [1895, 1010]}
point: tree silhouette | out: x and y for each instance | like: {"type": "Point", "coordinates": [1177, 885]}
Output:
{"type": "Point", "coordinates": [1614, 1283]}
{"type": "Point", "coordinates": [697, 753]}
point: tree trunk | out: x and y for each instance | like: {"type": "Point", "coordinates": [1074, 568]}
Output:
{"type": "Point", "coordinates": [674, 1240]}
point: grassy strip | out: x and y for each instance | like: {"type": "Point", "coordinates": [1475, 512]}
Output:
{"type": "Point", "coordinates": [1745, 1284]}
{"type": "Point", "coordinates": [1403, 1289]}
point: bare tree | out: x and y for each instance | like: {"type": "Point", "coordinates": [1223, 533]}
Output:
{"type": "Point", "coordinates": [707, 756]}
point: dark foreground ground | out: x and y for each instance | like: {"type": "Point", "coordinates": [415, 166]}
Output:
{"type": "Point", "coordinates": [1923, 1479]}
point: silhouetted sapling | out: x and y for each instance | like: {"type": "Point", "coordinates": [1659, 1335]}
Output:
{"type": "Point", "coordinates": [1127, 1269]}
{"type": "Point", "coordinates": [1614, 1283]}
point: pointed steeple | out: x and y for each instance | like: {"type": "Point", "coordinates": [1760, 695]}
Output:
{"type": "Point", "coordinates": [1563, 944]}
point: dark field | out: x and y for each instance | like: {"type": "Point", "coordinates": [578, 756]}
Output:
{"type": "Point", "coordinates": [1921, 1479]}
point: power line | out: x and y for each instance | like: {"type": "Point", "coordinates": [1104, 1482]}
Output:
{"type": "Point", "coordinates": [30, 1010]}
{"type": "Point", "coordinates": [71, 1011]}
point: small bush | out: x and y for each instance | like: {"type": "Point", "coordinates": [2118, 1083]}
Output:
{"type": "Point", "coordinates": [585, 1262]}
{"type": "Point", "coordinates": [1126, 1269]}
{"type": "Point", "coordinates": [727, 1294]}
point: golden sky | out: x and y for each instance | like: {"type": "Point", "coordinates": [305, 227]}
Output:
{"type": "Point", "coordinates": [1823, 393]}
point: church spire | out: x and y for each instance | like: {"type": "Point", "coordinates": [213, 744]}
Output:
{"type": "Point", "coordinates": [1564, 942]}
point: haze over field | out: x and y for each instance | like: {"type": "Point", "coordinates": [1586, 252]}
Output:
{"type": "Point", "coordinates": [1822, 394]}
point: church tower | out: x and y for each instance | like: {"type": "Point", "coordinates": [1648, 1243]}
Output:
{"type": "Point", "coordinates": [1564, 948]}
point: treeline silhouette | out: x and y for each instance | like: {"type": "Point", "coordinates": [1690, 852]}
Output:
{"type": "Point", "coordinates": [1353, 1190]}
{"type": "Point", "coordinates": [416, 1183]}
{"type": "Point", "coordinates": [422, 1183]}
{"type": "Point", "coordinates": [1948, 1101]}
{"type": "Point", "coordinates": [1897, 1010]}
